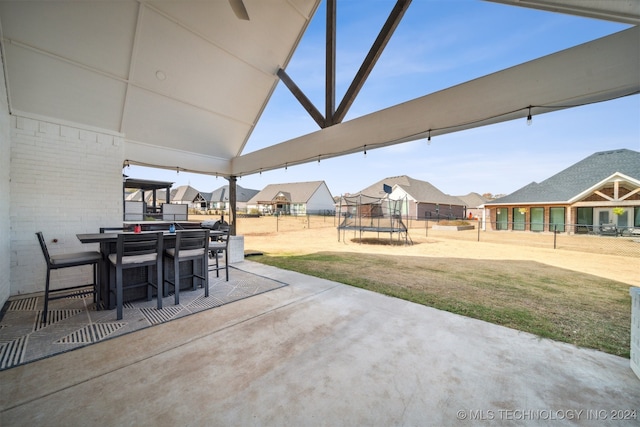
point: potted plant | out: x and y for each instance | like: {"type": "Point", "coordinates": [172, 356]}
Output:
{"type": "Point", "coordinates": [618, 211]}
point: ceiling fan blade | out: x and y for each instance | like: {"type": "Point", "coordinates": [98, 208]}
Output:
{"type": "Point", "coordinates": [239, 9]}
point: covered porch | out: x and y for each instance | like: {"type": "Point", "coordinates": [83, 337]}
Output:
{"type": "Point", "coordinates": [76, 109]}
{"type": "Point", "coordinates": [316, 352]}
{"type": "Point", "coordinates": [117, 87]}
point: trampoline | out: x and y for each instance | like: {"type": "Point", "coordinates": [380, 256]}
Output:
{"type": "Point", "coordinates": [361, 213]}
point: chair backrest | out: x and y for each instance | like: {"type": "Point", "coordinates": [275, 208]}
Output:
{"type": "Point", "coordinates": [107, 229]}
{"type": "Point", "coordinates": [192, 239]}
{"type": "Point", "coordinates": [188, 225]}
{"type": "Point", "coordinates": [132, 244]}
{"type": "Point", "coordinates": [43, 246]}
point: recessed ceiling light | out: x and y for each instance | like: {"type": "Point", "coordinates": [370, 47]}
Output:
{"type": "Point", "coordinates": [160, 75]}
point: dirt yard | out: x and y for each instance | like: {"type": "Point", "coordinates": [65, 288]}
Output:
{"type": "Point", "coordinates": [291, 235]}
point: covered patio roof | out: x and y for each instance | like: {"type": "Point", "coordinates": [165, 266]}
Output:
{"type": "Point", "coordinates": [186, 82]}
{"type": "Point", "coordinates": [147, 185]}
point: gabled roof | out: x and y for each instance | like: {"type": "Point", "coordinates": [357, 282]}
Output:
{"type": "Point", "coordinates": [473, 200]}
{"type": "Point", "coordinates": [222, 194]}
{"type": "Point", "coordinates": [421, 191]}
{"type": "Point", "coordinates": [297, 192]}
{"type": "Point", "coordinates": [576, 179]}
{"type": "Point", "coordinates": [185, 82]}
{"type": "Point", "coordinates": [184, 193]}
{"type": "Point", "coordinates": [136, 196]}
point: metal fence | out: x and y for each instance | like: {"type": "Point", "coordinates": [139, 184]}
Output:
{"type": "Point", "coordinates": [575, 237]}
{"type": "Point", "coordinates": [282, 223]}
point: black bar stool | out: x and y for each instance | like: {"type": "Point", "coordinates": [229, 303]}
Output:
{"type": "Point", "coordinates": [134, 251]}
{"type": "Point", "coordinates": [218, 246]}
{"type": "Point", "coordinates": [191, 245]}
{"type": "Point", "coordinates": [75, 259]}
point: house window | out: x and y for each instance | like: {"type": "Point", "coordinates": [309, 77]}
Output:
{"type": "Point", "coordinates": [623, 220]}
{"type": "Point", "coordinates": [585, 220]}
{"type": "Point", "coordinates": [298, 209]}
{"type": "Point", "coordinates": [502, 219]}
{"type": "Point", "coordinates": [556, 219]}
{"type": "Point", "coordinates": [537, 219]}
{"type": "Point", "coordinates": [636, 217]}
{"type": "Point", "coordinates": [603, 217]}
{"type": "Point", "coordinates": [519, 218]}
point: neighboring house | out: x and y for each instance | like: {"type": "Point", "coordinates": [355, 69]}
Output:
{"type": "Point", "coordinates": [187, 195]}
{"type": "Point", "coordinates": [474, 203]}
{"type": "Point", "coordinates": [133, 196]}
{"type": "Point", "coordinates": [300, 198]}
{"type": "Point", "coordinates": [424, 201]}
{"type": "Point", "coordinates": [219, 199]}
{"type": "Point", "coordinates": [136, 196]}
{"type": "Point", "coordinates": [604, 188]}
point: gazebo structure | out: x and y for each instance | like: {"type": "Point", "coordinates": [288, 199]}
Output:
{"type": "Point", "coordinates": [144, 186]}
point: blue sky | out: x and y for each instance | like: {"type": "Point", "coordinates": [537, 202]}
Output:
{"type": "Point", "coordinates": [438, 44]}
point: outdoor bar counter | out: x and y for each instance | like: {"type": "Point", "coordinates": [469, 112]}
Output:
{"type": "Point", "coordinates": [107, 241]}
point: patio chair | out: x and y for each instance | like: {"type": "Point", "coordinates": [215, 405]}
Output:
{"type": "Point", "coordinates": [75, 259]}
{"type": "Point", "coordinates": [608, 230]}
{"type": "Point", "coordinates": [218, 246]}
{"type": "Point", "coordinates": [135, 251]}
{"type": "Point", "coordinates": [191, 246]}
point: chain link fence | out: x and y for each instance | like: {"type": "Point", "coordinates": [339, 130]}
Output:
{"type": "Point", "coordinates": [573, 237]}
{"type": "Point", "coordinates": [281, 223]}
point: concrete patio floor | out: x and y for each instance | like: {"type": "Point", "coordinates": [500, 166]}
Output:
{"type": "Point", "coordinates": [320, 353]}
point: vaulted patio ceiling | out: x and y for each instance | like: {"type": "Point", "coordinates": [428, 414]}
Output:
{"type": "Point", "coordinates": [185, 82]}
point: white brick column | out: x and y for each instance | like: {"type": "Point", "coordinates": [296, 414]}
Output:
{"type": "Point", "coordinates": [5, 195]}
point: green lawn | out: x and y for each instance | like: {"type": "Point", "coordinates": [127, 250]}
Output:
{"type": "Point", "coordinates": [551, 302]}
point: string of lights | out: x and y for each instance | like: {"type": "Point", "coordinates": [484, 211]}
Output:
{"type": "Point", "coordinates": [428, 132]}
{"type": "Point", "coordinates": [530, 109]}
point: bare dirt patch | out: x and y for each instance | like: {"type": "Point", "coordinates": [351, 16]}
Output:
{"type": "Point", "coordinates": [305, 235]}
{"type": "Point", "coordinates": [515, 279]}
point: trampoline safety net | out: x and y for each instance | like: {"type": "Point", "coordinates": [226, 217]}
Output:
{"type": "Point", "coordinates": [362, 213]}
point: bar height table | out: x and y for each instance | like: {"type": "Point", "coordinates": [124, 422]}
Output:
{"type": "Point", "coordinates": [107, 242]}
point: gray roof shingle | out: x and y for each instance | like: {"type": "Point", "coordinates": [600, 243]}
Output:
{"type": "Point", "coordinates": [295, 192]}
{"type": "Point", "coordinates": [421, 191]}
{"type": "Point", "coordinates": [565, 185]}
{"type": "Point", "coordinates": [473, 200]}
{"type": "Point", "coordinates": [222, 194]}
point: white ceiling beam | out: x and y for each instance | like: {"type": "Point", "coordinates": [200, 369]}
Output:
{"type": "Point", "coordinates": [600, 70]}
{"type": "Point", "coordinates": [625, 11]}
{"type": "Point", "coordinates": [144, 154]}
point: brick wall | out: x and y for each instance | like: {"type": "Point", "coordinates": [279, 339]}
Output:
{"type": "Point", "coordinates": [64, 180]}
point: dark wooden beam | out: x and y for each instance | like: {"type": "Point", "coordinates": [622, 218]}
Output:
{"type": "Point", "coordinates": [330, 64]}
{"type": "Point", "coordinates": [372, 57]}
{"type": "Point", "coordinates": [302, 98]}
{"type": "Point", "coordinates": [233, 182]}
